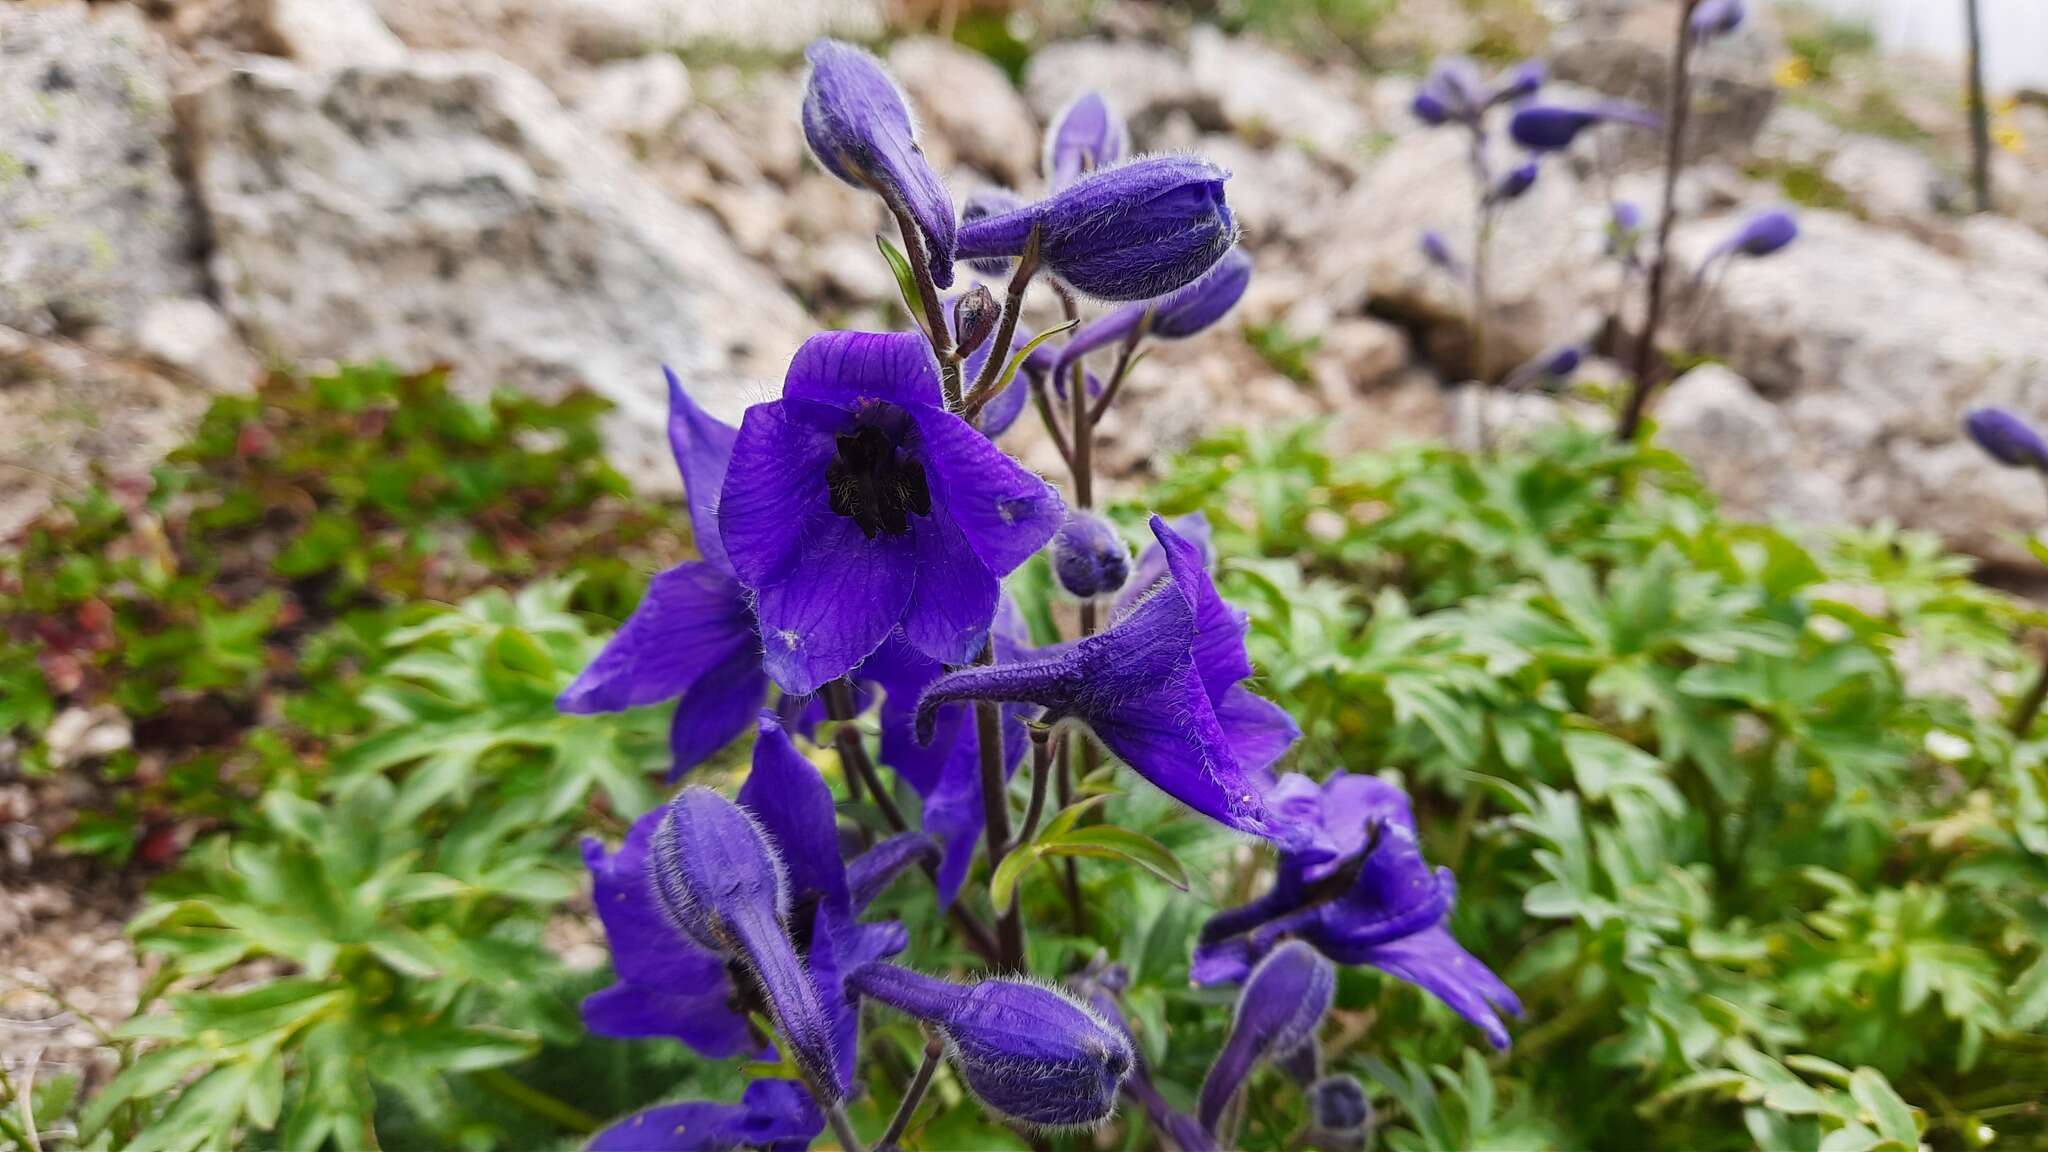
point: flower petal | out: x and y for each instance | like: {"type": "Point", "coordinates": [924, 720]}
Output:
{"type": "Point", "coordinates": [693, 618]}
{"type": "Point", "coordinates": [847, 368]}
{"type": "Point", "coordinates": [1259, 731]}
{"type": "Point", "coordinates": [793, 804]}
{"type": "Point", "coordinates": [955, 596]}
{"type": "Point", "coordinates": [1171, 737]}
{"type": "Point", "coordinates": [1151, 566]}
{"type": "Point", "coordinates": [1006, 511]}
{"type": "Point", "coordinates": [870, 874]}
{"type": "Point", "coordinates": [775, 486]}
{"type": "Point", "coordinates": [1219, 628]}
{"type": "Point", "coordinates": [842, 597]}
{"type": "Point", "coordinates": [716, 710]}
{"type": "Point", "coordinates": [702, 448]}
{"type": "Point", "coordinates": [1435, 962]}
{"type": "Point", "coordinates": [701, 1016]}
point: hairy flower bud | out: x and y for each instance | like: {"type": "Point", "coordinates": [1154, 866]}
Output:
{"type": "Point", "coordinates": [1175, 316]}
{"type": "Point", "coordinates": [1283, 1002]}
{"type": "Point", "coordinates": [859, 128]}
{"type": "Point", "coordinates": [1131, 232]}
{"type": "Point", "coordinates": [974, 317]}
{"type": "Point", "coordinates": [1451, 91]}
{"type": "Point", "coordinates": [1339, 1114]}
{"type": "Point", "coordinates": [2006, 438]}
{"type": "Point", "coordinates": [1715, 18]}
{"type": "Point", "coordinates": [1029, 1053]}
{"type": "Point", "coordinates": [1553, 127]}
{"type": "Point", "coordinates": [1438, 251]}
{"type": "Point", "coordinates": [1089, 557]}
{"type": "Point", "coordinates": [1518, 180]}
{"type": "Point", "coordinates": [1087, 135]}
{"type": "Point", "coordinates": [719, 882]}
{"type": "Point", "coordinates": [1521, 82]}
{"type": "Point", "coordinates": [1762, 234]}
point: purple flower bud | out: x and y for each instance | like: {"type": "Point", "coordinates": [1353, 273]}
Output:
{"type": "Point", "coordinates": [1089, 557]}
{"type": "Point", "coordinates": [1715, 18]}
{"type": "Point", "coordinates": [1451, 91]}
{"type": "Point", "coordinates": [1519, 179]}
{"type": "Point", "coordinates": [719, 882]}
{"type": "Point", "coordinates": [974, 317]}
{"type": "Point", "coordinates": [2007, 439]}
{"type": "Point", "coordinates": [1084, 137]}
{"type": "Point", "coordinates": [1558, 363]}
{"type": "Point", "coordinates": [982, 204]}
{"type": "Point", "coordinates": [1438, 251]}
{"type": "Point", "coordinates": [1283, 1003]}
{"type": "Point", "coordinates": [1339, 1114]}
{"type": "Point", "coordinates": [1624, 231]}
{"type": "Point", "coordinates": [1029, 1053]}
{"type": "Point", "coordinates": [859, 128]}
{"type": "Point", "coordinates": [1764, 233]}
{"type": "Point", "coordinates": [1131, 232]}
{"type": "Point", "coordinates": [1553, 127]}
{"type": "Point", "coordinates": [1625, 217]}
{"type": "Point", "coordinates": [1521, 82]}
{"type": "Point", "coordinates": [1174, 316]}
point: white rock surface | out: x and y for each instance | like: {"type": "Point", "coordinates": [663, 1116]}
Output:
{"type": "Point", "coordinates": [635, 100]}
{"type": "Point", "coordinates": [191, 335]}
{"type": "Point", "coordinates": [447, 209]}
{"type": "Point", "coordinates": [329, 33]}
{"type": "Point", "coordinates": [964, 101]}
{"type": "Point", "coordinates": [94, 223]}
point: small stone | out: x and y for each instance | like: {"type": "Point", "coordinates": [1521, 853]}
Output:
{"type": "Point", "coordinates": [329, 33]}
{"type": "Point", "coordinates": [192, 336]}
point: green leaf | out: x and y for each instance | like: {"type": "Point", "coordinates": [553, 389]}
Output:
{"type": "Point", "coordinates": [1109, 842]}
{"type": "Point", "coordinates": [1016, 361]}
{"type": "Point", "coordinates": [1874, 1094]}
{"type": "Point", "coordinates": [906, 278]}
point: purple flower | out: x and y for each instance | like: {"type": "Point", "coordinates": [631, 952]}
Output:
{"type": "Point", "coordinates": [946, 773]}
{"type": "Point", "coordinates": [1390, 916]}
{"type": "Point", "coordinates": [1762, 234]}
{"type": "Point", "coordinates": [1175, 316]}
{"type": "Point", "coordinates": [1031, 1054]}
{"type": "Point", "coordinates": [1089, 557]}
{"type": "Point", "coordinates": [857, 504]}
{"type": "Point", "coordinates": [1130, 232]}
{"type": "Point", "coordinates": [1518, 180]}
{"type": "Point", "coordinates": [1715, 18]}
{"type": "Point", "coordinates": [1084, 137]}
{"type": "Point", "coordinates": [1438, 252]}
{"type": "Point", "coordinates": [1553, 127]}
{"type": "Point", "coordinates": [2007, 439]}
{"type": "Point", "coordinates": [859, 128]}
{"type": "Point", "coordinates": [694, 958]}
{"type": "Point", "coordinates": [1451, 91]}
{"type": "Point", "coordinates": [982, 204]}
{"type": "Point", "coordinates": [1161, 690]}
{"type": "Point", "coordinates": [693, 638]}
{"type": "Point", "coordinates": [1283, 1002]}
{"type": "Point", "coordinates": [775, 1115]}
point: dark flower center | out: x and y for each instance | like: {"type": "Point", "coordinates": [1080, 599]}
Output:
{"type": "Point", "coordinates": [874, 485]}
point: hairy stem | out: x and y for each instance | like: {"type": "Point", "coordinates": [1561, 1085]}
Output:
{"type": "Point", "coordinates": [1643, 365]}
{"type": "Point", "coordinates": [842, 1128]}
{"type": "Point", "coordinates": [853, 758]}
{"type": "Point", "coordinates": [1041, 398]}
{"type": "Point", "coordinates": [1124, 357]}
{"type": "Point", "coordinates": [995, 810]}
{"type": "Point", "coordinates": [934, 1050]}
{"type": "Point", "coordinates": [984, 388]}
{"type": "Point", "coordinates": [1070, 874]}
{"type": "Point", "coordinates": [936, 328]}
{"type": "Point", "coordinates": [1041, 773]}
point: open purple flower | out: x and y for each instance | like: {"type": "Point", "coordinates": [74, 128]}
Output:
{"type": "Point", "coordinates": [1553, 127]}
{"type": "Point", "coordinates": [703, 899]}
{"type": "Point", "coordinates": [1085, 136]}
{"type": "Point", "coordinates": [859, 128]}
{"type": "Point", "coordinates": [1714, 18]}
{"type": "Point", "coordinates": [857, 504]}
{"type": "Point", "coordinates": [1028, 1052]}
{"type": "Point", "coordinates": [1129, 232]}
{"type": "Point", "coordinates": [773, 1115]}
{"type": "Point", "coordinates": [1175, 316]}
{"type": "Point", "coordinates": [1161, 690]}
{"type": "Point", "coordinates": [1389, 916]}
{"type": "Point", "coordinates": [1283, 1002]}
{"type": "Point", "coordinates": [693, 638]}
{"type": "Point", "coordinates": [2007, 439]}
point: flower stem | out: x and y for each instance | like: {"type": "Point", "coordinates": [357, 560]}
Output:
{"type": "Point", "coordinates": [1006, 331]}
{"type": "Point", "coordinates": [995, 810]}
{"type": "Point", "coordinates": [1980, 115]}
{"type": "Point", "coordinates": [936, 329]}
{"type": "Point", "coordinates": [1041, 773]}
{"type": "Point", "coordinates": [533, 1101]}
{"type": "Point", "coordinates": [842, 1128]}
{"type": "Point", "coordinates": [934, 1049]}
{"type": "Point", "coordinates": [853, 758]}
{"type": "Point", "coordinates": [1124, 357]}
{"type": "Point", "coordinates": [1643, 366]}
{"type": "Point", "coordinates": [2028, 706]}
{"type": "Point", "coordinates": [1070, 874]}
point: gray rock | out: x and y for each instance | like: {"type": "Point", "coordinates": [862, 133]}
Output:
{"type": "Point", "coordinates": [1144, 83]}
{"type": "Point", "coordinates": [447, 209]}
{"type": "Point", "coordinates": [1623, 49]}
{"type": "Point", "coordinates": [94, 223]}
{"type": "Point", "coordinates": [635, 100]}
{"type": "Point", "coordinates": [970, 106]}
{"type": "Point", "coordinates": [193, 337]}
{"type": "Point", "coordinates": [328, 33]}
{"type": "Point", "coordinates": [1738, 441]}
{"type": "Point", "coordinates": [605, 29]}
{"type": "Point", "coordinates": [1890, 182]}
{"type": "Point", "coordinates": [1271, 98]}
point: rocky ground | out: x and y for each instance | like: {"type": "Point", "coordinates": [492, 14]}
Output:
{"type": "Point", "coordinates": [560, 193]}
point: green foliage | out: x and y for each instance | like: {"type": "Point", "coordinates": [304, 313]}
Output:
{"type": "Point", "coordinates": [1283, 351]}
{"type": "Point", "coordinates": [1702, 814]}
{"type": "Point", "coordinates": [258, 570]}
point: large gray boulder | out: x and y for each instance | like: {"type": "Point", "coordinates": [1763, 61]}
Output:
{"type": "Point", "coordinates": [445, 209]}
{"type": "Point", "coordinates": [1623, 49]}
{"type": "Point", "coordinates": [94, 223]}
